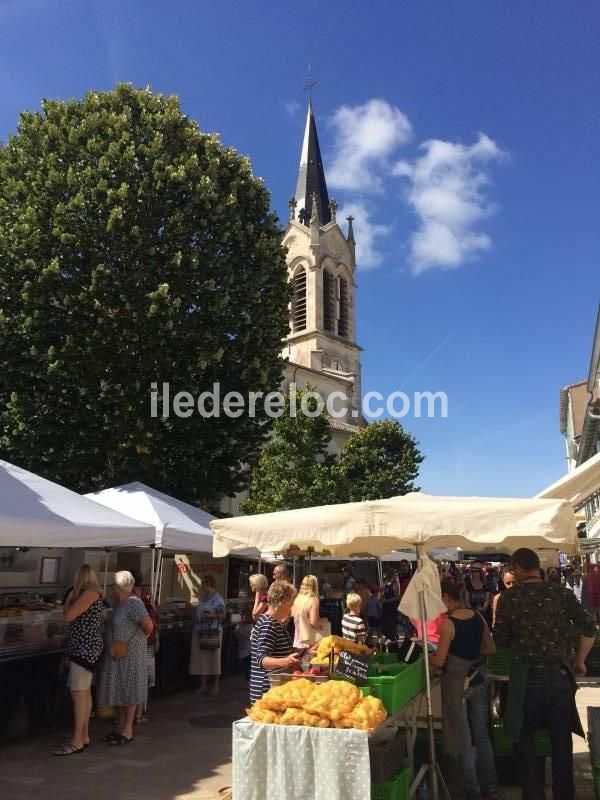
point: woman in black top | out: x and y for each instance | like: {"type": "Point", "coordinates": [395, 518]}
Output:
{"type": "Point", "coordinates": [83, 609]}
{"type": "Point", "coordinates": [464, 639]}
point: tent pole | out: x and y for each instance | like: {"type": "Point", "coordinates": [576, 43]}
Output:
{"type": "Point", "coordinates": [159, 570]}
{"type": "Point", "coordinates": [152, 574]}
{"type": "Point", "coordinates": [433, 767]}
{"type": "Point", "coordinates": [105, 572]}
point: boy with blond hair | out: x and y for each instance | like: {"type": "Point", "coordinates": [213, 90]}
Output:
{"type": "Point", "coordinates": [353, 626]}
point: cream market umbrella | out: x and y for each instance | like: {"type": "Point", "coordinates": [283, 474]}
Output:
{"type": "Point", "coordinates": [578, 485]}
{"type": "Point", "coordinates": [422, 521]}
{"type": "Point", "coordinates": [381, 526]}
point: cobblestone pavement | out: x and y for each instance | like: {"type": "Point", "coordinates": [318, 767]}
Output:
{"type": "Point", "coordinates": [182, 753]}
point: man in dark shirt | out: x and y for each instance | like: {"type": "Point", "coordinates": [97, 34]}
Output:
{"type": "Point", "coordinates": [548, 632]}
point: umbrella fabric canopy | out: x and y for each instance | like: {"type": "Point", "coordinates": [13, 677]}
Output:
{"type": "Point", "coordinates": [178, 525]}
{"type": "Point", "coordinates": [35, 512]}
{"type": "Point", "coordinates": [380, 526]}
{"type": "Point", "coordinates": [577, 485]}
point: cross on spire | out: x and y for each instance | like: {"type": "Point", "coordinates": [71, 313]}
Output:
{"type": "Point", "coordinates": [310, 84]}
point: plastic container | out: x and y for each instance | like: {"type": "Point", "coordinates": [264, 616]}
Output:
{"type": "Point", "coordinates": [499, 663]}
{"type": "Point", "coordinates": [398, 688]}
{"type": "Point", "coordinates": [503, 746]}
{"type": "Point", "coordinates": [395, 789]}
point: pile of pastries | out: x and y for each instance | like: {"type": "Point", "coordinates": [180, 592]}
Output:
{"type": "Point", "coordinates": [334, 704]}
{"type": "Point", "coordinates": [337, 644]}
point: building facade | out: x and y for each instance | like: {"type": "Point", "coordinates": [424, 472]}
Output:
{"type": "Point", "coordinates": [580, 425]}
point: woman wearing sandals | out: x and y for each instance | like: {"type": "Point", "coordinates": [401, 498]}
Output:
{"type": "Point", "coordinates": [83, 609]}
{"type": "Point", "coordinates": [124, 675]}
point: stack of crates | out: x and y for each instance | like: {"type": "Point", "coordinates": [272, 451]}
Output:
{"type": "Point", "coordinates": [395, 789]}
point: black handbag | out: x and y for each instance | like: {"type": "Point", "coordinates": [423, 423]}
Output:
{"type": "Point", "coordinates": [209, 639]}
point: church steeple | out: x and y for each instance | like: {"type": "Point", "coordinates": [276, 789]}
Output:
{"type": "Point", "coordinates": [311, 176]}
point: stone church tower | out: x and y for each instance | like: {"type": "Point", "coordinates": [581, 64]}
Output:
{"type": "Point", "coordinates": [321, 346]}
{"type": "Point", "coordinates": [321, 349]}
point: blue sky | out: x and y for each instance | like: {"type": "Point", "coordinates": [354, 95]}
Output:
{"type": "Point", "coordinates": [481, 279]}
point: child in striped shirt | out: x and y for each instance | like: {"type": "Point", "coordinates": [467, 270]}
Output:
{"type": "Point", "coordinates": [353, 626]}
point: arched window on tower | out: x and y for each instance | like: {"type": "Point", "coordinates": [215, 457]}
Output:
{"type": "Point", "coordinates": [344, 308]}
{"type": "Point", "coordinates": [299, 300]}
{"type": "Point", "coordinates": [329, 303]}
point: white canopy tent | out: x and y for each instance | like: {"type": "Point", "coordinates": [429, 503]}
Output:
{"type": "Point", "coordinates": [35, 512]}
{"type": "Point", "coordinates": [576, 486]}
{"type": "Point", "coordinates": [418, 520]}
{"type": "Point", "coordinates": [179, 526]}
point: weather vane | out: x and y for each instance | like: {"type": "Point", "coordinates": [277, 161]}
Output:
{"type": "Point", "coordinates": [310, 84]}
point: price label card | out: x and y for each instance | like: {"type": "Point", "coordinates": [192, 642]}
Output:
{"type": "Point", "coordinates": [355, 668]}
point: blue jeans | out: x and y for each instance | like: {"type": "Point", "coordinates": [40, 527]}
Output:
{"type": "Point", "coordinates": [476, 733]}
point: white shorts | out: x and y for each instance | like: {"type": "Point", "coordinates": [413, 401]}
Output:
{"type": "Point", "coordinates": [79, 678]}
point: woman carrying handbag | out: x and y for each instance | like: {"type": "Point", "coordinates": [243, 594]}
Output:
{"type": "Point", "coordinates": [205, 656]}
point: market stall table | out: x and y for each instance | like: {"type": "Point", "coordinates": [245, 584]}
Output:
{"type": "Point", "coordinates": [272, 760]}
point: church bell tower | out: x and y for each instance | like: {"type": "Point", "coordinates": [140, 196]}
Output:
{"type": "Point", "coordinates": [321, 266]}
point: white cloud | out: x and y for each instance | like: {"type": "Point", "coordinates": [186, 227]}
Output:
{"type": "Point", "coordinates": [367, 234]}
{"type": "Point", "coordinates": [366, 136]}
{"type": "Point", "coordinates": [292, 107]}
{"type": "Point", "coordinates": [447, 192]}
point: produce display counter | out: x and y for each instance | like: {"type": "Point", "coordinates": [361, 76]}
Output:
{"type": "Point", "coordinates": [347, 758]}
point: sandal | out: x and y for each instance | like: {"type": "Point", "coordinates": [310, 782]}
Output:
{"type": "Point", "coordinates": [68, 749]}
{"type": "Point", "coordinates": [110, 736]}
{"type": "Point", "coordinates": [120, 739]}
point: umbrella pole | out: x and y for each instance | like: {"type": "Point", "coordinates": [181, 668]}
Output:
{"type": "Point", "coordinates": [437, 780]}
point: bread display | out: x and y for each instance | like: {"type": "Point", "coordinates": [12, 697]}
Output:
{"type": "Point", "coordinates": [337, 644]}
{"type": "Point", "coordinates": [334, 704]}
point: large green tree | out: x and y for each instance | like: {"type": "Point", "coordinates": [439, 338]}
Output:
{"type": "Point", "coordinates": [381, 460]}
{"type": "Point", "coordinates": [133, 249]}
{"type": "Point", "coordinates": [295, 468]}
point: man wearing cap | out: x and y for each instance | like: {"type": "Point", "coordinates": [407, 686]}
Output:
{"type": "Point", "coordinates": [549, 635]}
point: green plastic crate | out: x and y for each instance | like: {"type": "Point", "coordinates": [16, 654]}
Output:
{"type": "Point", "coordinates": [499, 663]}
{"type": "Point", "coordinates": [503, 746]}
{"type": "Point", "coordinates": [395, 789]}
{"type": "Point", "coordinates": [404, 682]}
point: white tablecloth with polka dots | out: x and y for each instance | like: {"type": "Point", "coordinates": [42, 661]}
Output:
{"type": "Point", "coordinates": [275, 761]}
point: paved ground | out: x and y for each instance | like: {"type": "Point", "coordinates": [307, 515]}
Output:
{"type": "Point", "coordinates": [182, 753]}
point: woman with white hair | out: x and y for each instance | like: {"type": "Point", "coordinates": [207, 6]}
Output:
{"type": "Point", "coordinates": [124, 676]}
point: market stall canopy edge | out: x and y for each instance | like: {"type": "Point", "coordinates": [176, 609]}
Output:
{"type": "Point", "coordinates": [35, 512]}
{"type": "Point", "coordinates": [380, 526]}
{"type": "Point", "coordinates": [576, 486]}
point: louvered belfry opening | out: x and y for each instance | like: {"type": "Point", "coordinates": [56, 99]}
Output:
{"type": "Point", "coordinates": [299, 301]}
{"type": "Point", "coordinates": [343, 322]}
{"type": "Point", "coordinates": [329, 303]}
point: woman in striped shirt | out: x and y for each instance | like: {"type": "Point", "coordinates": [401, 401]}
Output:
{"type": "Point", "coordinates": [271, 643]}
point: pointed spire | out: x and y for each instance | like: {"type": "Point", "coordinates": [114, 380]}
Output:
{"type": "Point", "coordinates": [311, 176]}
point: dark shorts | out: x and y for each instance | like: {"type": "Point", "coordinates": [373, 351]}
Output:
{"type": "Point", "coordinates": [245, 664]}
{"type": "Point", "coordinates": [374, 622]}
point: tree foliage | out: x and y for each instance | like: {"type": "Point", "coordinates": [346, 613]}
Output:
{"type": "Point", "coordinates": [296, 470]}
{"type": "Point", "coordinates": [381, 460]}
{"type": "Point", "coordinates": [133, 248]}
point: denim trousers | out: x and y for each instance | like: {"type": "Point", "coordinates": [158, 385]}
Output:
{"type": "Point", "coordinates": [476, 707]}
{"type": "Point", "coordinates": [548, 704]}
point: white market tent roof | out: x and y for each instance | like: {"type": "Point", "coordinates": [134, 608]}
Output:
{"type": "Point", "coordinates": [178, 526]}
{"type": "Point", "coordinates": [35, 512]}
{"type": "Point", "coordinates": [578, 485]}
{"type": "Point", "coordinates": [380, 526]}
